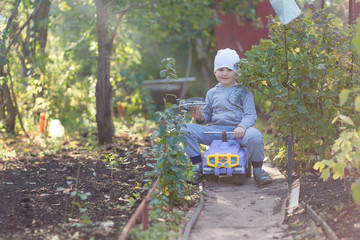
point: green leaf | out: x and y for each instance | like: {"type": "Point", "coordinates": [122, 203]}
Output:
{"type": "Point", "coordinates": [335, 119]}
{"type": "Point", "coordinates": [325, 174]}
{"type": "Point", "coordinates": [355, 156]}
{"type": "Point", "coordinates": [319, 166]}
{"type": "Point", "coordinates": [346, 119]}
{"type": "Point", "coordinates": [356, 191]}
{"type": "Point", "coordinates": [356, 41]}
{"type": "Point", "coordinates": [162, 131]}
{"type": "Point", "coordinates": [357, 103]}
{"type": "Point", "coordinates": [150, 165]}
{"type": "Point", "coordinates": [85, 219]}
{"type": "Point", "coordinates": [163, 73]}
{"type": "Point", "coordinates": [154, 135]}
{"type": "Point", "coordinates": [301, 109]}
{"type": "Point", "coordinates": [344, 94]}
{"type": "Point", "coordinates": [338, 170]}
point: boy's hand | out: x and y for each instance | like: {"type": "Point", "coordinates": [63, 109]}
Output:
{"type": "Point", "coordinates": [197, 114]}
{"type": "Point", "coordinates": [239, 132]}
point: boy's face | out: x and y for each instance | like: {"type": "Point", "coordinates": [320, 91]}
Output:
{"type": "Point", "coordinates": [226, 76]}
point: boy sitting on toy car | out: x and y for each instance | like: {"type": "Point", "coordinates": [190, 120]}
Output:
{"type": "Point", "coordinates": [229, 107]}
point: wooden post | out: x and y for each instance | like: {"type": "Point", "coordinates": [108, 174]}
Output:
{"type": "Point", "coordinates": [145, 217]}
{"type": "Point", "coordinates": [290, 161]}
{"type": "Point", "coordinates": [140, 210]}
{"type": "Point", "coordinates": [351, 12]}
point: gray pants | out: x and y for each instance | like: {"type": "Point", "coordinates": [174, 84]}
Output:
{"type": "Point", "coordinates": [252, 140]}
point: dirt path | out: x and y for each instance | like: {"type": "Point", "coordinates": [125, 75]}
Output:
{"type": "Point", "coordinates": [243, 212]}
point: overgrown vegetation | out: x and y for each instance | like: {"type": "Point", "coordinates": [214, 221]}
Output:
{"type": "Point", "coordinates": [172, 166]}
{"type": "Point", "coordinates": [299, 72]}
{"type": "Point", "coordinates": [303, 75]}
{"type": "Point", "coordinates": [78, 199]}
{"type": "Point", "coordinates": [345, 152]}
{"type": "Point", "coordinates": [57, 47]}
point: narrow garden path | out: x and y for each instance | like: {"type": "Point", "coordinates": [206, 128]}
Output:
{"type": "Point", "coordinates": [243, 212]}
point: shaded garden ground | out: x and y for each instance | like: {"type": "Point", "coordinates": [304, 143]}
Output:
{"type": "Point", "coordinates": [332, 200]}
{"type": "Point", "coordinates": [32, 208]}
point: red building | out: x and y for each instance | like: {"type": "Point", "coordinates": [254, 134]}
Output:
{"type": "Point", "coordinates": [354, 11]}
{"type": "Point", "coordinates": [230, 34]}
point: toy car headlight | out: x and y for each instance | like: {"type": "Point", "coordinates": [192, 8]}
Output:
{"type": "Point", "coordinates": [222, 160]}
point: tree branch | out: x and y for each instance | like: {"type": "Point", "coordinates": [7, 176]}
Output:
{"type": "Point", "coordinates": [15, 101]}
{"type": "Point", "coordinates": [12, 15]}
{"type": "Point", "coordinates": [22, 27]}
{"type": "Point", "coordinates": [118, 21]}
{"type": "Point", "coordinates": [262, 92]}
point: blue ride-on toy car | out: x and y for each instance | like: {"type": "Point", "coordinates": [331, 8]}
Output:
{"type": "Point", "coordinates": [226, 157]}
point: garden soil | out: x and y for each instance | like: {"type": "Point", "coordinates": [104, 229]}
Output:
{"type": "Point", "coordinates": [32, 208]}
{"type": "Point", "coordinates": [243, 212]}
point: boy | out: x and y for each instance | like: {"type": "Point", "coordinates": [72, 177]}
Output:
{"type": "Point", "coordinates": [228, 108]}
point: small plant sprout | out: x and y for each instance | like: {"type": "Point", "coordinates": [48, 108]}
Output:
{"type": "Point", "coordinates": [132, 200]}
{"type": "Point", "coordinates": [93, 172]}
{"type": "Point", "coordinates": [112, 163]}
{"type": "Point", "coordinates": [79, 198]}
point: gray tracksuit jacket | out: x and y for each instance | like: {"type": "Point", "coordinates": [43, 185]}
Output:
{"type": "Point", "coordinates": [232, 106]}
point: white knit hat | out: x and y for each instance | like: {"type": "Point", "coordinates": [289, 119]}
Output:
{"type": "Point", "coordinates": [226, 58]}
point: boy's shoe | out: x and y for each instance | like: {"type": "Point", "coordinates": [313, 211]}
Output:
{"type": "Point", "coordinates": [262, 177]}
{"type": "Point", "coordinates": [197, 174]}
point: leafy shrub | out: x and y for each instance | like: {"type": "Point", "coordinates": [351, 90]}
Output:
{"type": "Point", "coordinates": [346, 149]}
{"type": "Point", "coordinates": [300, 71]}
{"type": "Point", "coordinates": [172, 164]}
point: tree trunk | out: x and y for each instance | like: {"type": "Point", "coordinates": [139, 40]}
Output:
{"type": "Point", "coordinates": [7, 109]}
{"type": "Point", "coordinates": [2, 104]}
{"type": "Point", "coordinates": [103, 87]}
{"type": "Point", "coordinates": [322, 4]}
{"type": "Point", "coordinates": [11, 110]}
{"type": "Point", "coordinates": [41, 26]}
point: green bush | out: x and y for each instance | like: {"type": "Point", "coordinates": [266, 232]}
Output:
{"type": "Point", "coordinates": [300, 71]}
{"type": "Point", "coordinates": [172, 164]}
{"type": "Point", "coordinates": [345, 151]}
